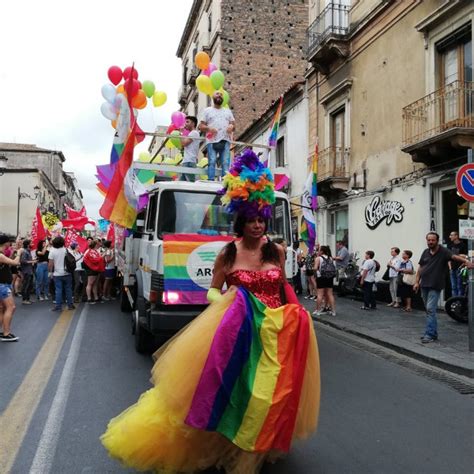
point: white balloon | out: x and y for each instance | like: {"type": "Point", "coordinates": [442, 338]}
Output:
{"type": "Point", "coordinates": [108, 111]}
{"type": "Point", "coordinates": [108, 92]}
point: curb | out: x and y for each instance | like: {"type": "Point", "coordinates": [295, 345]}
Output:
{"type": "Point", "coordinates": [402, 350]}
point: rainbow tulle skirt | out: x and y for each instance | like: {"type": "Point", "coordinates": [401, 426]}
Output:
{"type": "Point", "coordinates": [232, 389]}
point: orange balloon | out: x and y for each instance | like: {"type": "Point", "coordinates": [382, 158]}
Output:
{"type": "Point", "coordinates": [139, 100]}
{"type": "Point", "coordinates": [114, 123]}
{"type": "Point", "coordinates": [121, 90]}
{"type": "Point", "coordinates": [202, 60]}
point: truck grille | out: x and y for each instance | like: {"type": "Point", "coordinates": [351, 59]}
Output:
{"type": "Point", "coordinates": [157, 281]}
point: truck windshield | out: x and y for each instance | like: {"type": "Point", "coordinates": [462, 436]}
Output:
{"type": "Point", "coordinates": [192, 212]}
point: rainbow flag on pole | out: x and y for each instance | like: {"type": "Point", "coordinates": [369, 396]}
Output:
{"type": "Point", "coordinates": [272, 139]}
{"type": "Point", "coordinates": [188, 263]}
{"type": "Point", "coordinates": [251, 394]}
{"type": "Point", "coordinates": [309, 203]}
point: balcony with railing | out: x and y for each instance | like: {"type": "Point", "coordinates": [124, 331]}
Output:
{"type": "Point", "coordinates": [183, 95]}
{"type": "Point", "coordinates": [193, 75]}
{"type": "Point", "coordinates": [328, 36]}
{"type": "Point", "coordinates": [441, 124]}
{"type": "Point", "coordinates": [333, 170]}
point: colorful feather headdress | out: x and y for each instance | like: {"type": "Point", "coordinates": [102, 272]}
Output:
{"type": "Point", "coordinates": [248, 187]}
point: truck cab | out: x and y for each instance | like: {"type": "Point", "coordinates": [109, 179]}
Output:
{"type": "Point", "coordinates": [166, 267]}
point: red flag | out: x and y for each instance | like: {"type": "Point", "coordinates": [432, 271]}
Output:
{"type": "Point", "coordinates": [73, 237]}
{"type": "Point", "coordinates": [38, 231]}
{"type": "Point", "coordinates": [77, 223]}
{"type": "Point", "coordinates": [111, 233]}
{"type": "Point", "coordinates": [73, 214]}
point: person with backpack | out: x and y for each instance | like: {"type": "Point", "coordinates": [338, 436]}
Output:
{"type": "Point", "coordinates": [61, 264]}
{"type": "Point", "coordinates": [325, 269]}
{"type": "Point", "coordinates": [367, 280]}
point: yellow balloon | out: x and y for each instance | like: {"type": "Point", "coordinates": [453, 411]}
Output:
{"type": "Point", "coordinates": [159, 98]}
{"type": "Point", "coordinates": [144, 157]}
{"type": "Point", "coordinates": [204, 85]}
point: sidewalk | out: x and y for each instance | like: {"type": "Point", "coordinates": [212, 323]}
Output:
{"type": "Point", "coordinates": [401, 332]}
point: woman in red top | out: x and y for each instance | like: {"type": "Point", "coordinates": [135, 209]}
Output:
{"type": "Point", "coordinates": [95, 264]}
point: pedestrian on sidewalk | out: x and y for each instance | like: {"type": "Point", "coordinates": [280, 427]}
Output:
{"type": "Point", "coordinates": [457, 247]}
{"type": "Point", "coordinates": [26, 267]}
{"type": "Point", "coordinates": [62, 279]}
{"type": "Point", "coordinates": [405, 290]}
{"type": "Point", "coordinates": [325, 270]}
{"type": "Point", "coordinates": [7, 303]}
{"type": "Point", "coordinates": [298, 285]}
{"type": "Point", "coordinates": [367, 280]}
{"type": "Point", "coordinates": [42, 252]}
{"type": "Point", "coordinates": [342, 258]}
{"type": "Point", "coordinates": [218, 124]}
{"type": "Point", "coordinates": [393, 265]}
{"type": "Point", "coordinates": [431, 277]}
{"type": "Point", "coordinates": [309, 272]}
{"type": "Point", "coordinates": [190, 147]}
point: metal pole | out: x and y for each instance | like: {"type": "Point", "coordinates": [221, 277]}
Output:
{"type": "Point", "coordinates": [18, 213]}
{"type": "Point", "coordinates": [470, 301]}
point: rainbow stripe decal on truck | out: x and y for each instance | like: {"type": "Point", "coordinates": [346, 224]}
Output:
{"type": "Point", "coordinates": [188, 263]}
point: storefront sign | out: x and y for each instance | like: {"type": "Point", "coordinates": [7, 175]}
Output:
{"type": "Point", "coordinates": [378, 210]}
{"type": "Point", "coordinates": [466, 229]}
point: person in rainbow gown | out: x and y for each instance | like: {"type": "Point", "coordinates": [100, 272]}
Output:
{"type": "Point", "coordinates": [241, 382]}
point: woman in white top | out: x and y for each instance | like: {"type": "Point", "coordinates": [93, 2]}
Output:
{"type": "Point", "coordinates": [393, 265]}
{"type": "Point", "coordinates": [109, 256]}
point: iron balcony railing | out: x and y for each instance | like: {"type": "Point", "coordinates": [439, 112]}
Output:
{"type": "Point", "coordinates": [333, 20]}
{"type": "Point", "coordinates": [333, 162]}
{"type": "Point", "coordinates": [449, 107]}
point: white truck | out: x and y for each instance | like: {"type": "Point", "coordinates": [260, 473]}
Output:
{"type": "Point", "coordinates": [166, 265]}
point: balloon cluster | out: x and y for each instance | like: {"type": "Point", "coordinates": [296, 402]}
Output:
{"type": "Point", "coordinates": [131, 90]}
{"type": "Point", "coordinates": [49, 220]}
{"type": "Point", "coordinates": [211, 79]}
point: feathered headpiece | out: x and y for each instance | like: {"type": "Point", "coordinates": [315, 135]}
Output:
{"type": "Point", "coordinates": [248, 187]}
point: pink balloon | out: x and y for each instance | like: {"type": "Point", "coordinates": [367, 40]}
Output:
{"type": "Point", "coordinates": [115, 74]}
{"type": "Point", "coordinates": [210, 69]}
{"type": "Point", "coordinates": [128, 70]}
{"type": "Point", "coordinates": [178, 119]}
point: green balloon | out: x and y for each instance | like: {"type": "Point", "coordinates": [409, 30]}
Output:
{"type": "Point", "coordinates": [145, 175]}
{"type": "Point", "coordinates": [176, 141]}
{"type": "Point", "coordinates": [148, 88]}
{"type": "Point", "coordinates": [225, 98]}
{"type": "Point", "coordinates": [217, 79]}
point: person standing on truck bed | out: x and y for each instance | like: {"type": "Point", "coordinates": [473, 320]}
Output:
{"type": "Point", "coordinates": [241, 382]}
{"type": "Point", "coordinates": [191, 148]}
{"type": "Point", "coordinates": [218, 124]}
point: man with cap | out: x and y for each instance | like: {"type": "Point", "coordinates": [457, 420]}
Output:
{"type": "Point", "coordinates": [217, 122]}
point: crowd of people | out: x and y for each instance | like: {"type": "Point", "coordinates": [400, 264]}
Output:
{"type": "Point", "coordinates": [54, 272]}
{"type": "Point", "coordinates": [319, 270]}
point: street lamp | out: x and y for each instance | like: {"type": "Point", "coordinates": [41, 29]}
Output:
{"type": "Point", "coordinates": [20, 196]}
{"type": "Point", "coordinates": [3, 164]}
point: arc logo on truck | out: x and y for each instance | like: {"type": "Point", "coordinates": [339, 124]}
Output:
{"type": "Point", "coordinates": [188, 263]}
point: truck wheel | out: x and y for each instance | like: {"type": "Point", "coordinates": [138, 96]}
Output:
{"type": "Point", "coordinates": [125, 306]}
{"type": "Point", "coordinates": [144, 340]}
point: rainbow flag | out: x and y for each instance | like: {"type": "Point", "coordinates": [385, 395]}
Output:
{"type": "Point", "coordinates": [272, 139]}
{"type": "Point", "coordinates": [250, 394]}
{"type": "Point", "coordinates": [188, 263]}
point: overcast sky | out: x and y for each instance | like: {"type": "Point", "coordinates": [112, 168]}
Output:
{"type": "Point", "coordinates": [55, 56]}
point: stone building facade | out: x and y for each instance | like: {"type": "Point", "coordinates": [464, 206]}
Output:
{"type": "Point", "coordinates": [259, 46]}
{"type": "Point", "coordinates": [391, 102]}
{"type": "Point", "coordinates": [33, 176]}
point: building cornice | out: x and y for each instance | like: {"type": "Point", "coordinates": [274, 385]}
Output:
{"type": "Point", "coordinates": [193, 15]}
{"type": "Point", "coordinates": [440, 15]}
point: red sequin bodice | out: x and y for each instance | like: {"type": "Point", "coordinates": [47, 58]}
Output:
{"type": "Point", "coordinates": [264, 284]}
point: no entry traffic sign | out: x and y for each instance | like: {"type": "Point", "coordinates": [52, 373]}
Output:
{"type": "Point", "coordinates": [465, 181]}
